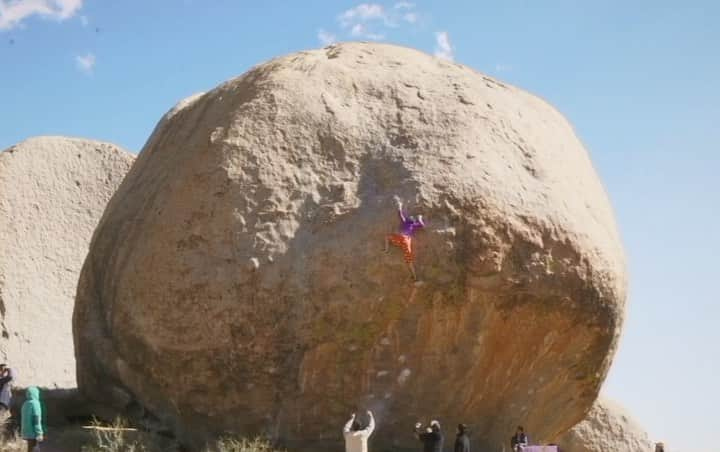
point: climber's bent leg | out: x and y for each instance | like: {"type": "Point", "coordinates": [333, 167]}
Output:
{"type": "Point", "coordinates": [411, 266]}
{"type": "Point", "coordinates": [404, 242]}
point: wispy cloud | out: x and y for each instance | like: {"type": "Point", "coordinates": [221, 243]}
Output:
{"type": "Point", "coordinates": [326, 38]}
{"type": "Point", "coordinates": [374, 21]}
{"type": "Point", "coordinates": [84, 21]}
{"type": "Point", "coordinates": [501, 67]}
{"type": "Point", "coordinates": [86, 63]}
{"type": "Point", "coordinates": [364, 21]}
{"type": "Point", "coordinates": [443, 47]}
{"type": "Point", "coordinates": [371, 21]}
{"type": "Point", "coordinates": [360, 31]}
{"type": "Point", "coordinates": [364, 12]}
{"type": "Point", "coordinates": [404, 5]}
{"type": "Point", "coordinates": [14, 12]}
{"type": "Point", "coordinates": [410, 18]}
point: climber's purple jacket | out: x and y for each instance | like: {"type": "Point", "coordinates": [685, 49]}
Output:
{"type": "Point", "coordinates": [408, 225]}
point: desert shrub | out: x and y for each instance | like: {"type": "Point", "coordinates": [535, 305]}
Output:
{"type": "Point", "coordinates": [242, 445]}
{"type": "Point", "coordinates": [114, 438]}
{"type": "Point", "coordinates": [10, 441]}
{"type": "Point", "coordinates": [119, 438]}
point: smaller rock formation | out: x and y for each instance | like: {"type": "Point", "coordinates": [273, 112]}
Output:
{"type": "Point", "coordinates": [606, 428]}
{"type": "Point", "coordinates": [53, 191]}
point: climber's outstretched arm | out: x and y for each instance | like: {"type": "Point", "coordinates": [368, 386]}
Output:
{"type": "Point", "coordinates": [400, 212]}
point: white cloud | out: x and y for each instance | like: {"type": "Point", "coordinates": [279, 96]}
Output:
{"type": "Point", "coordinates": [371, 21]}
{"type": "Point", "coordinates": [356, 20]}
{"type": "Point", "coordinates": [326, 38]}
{"type": "Point", "coordinates": [84, 21]}
{"type": "Point", "coordinates": [86, 63]}
{"type": "Point", "coordinates": [364, 12]}
{"type": "Point", "coordinates": [360, 31]}
{"type": "Point", "coordinates": [410, 18]}
{"type": "Point", "coordinates": [14, 12]}
{"type": "Point", "coordinates": [404, 5]}
{"type": "Point", "coordinates": [443, 47]}
{"type": "Point", "coordinates": [500, 67]}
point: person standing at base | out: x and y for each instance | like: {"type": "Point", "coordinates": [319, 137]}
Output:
{"type": "Point", "coordinates": [432, 438]}
{"type": "Point", "coordinates": [462, 441]}
{"type": "Point", "coordinates": [31, 428]}
{"type": "Point", "coordinates": [356, 438]}
{"type": "Point", "coordinates": [6, 380]}
{"type": "Point", "coordinates": [519, 440]}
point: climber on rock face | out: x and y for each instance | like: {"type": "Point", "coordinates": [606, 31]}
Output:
{"type": "Point", "coordinates": [403, 239]}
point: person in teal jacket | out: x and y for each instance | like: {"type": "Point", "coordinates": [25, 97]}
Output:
{"type": "Point", "coordinates": [31, 428]}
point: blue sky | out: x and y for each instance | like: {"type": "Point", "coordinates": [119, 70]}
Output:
{"type": "Point", "coordinates": [639, 80]}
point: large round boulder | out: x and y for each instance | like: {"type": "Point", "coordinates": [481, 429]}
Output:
{"type": "Point", "coordinates": [53, 191]}
{"type": "Point", "coordinates": [238, 282]}
{"type": "Point", "coordinates": [607, 427]}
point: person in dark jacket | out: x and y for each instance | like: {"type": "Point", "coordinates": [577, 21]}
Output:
{"type": "Point", "coordinates": [462, 442]}
{"type": "Point", "coordinates": [432, 438]}
{"type": "Point", "coordinates": [518, 440]}
{"type": "Point", "coordinates": [6, 382]}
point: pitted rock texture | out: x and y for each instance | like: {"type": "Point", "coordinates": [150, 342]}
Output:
{"type": "Point", "coordinates": [53, 191]}
{"type": "Point", "coordinates": [607, 427]}
{"type": "Point", "coordinates": [237, 281]}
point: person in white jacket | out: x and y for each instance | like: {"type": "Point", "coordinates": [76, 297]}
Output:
{"type": "Point", "coordinates": [356, 439]}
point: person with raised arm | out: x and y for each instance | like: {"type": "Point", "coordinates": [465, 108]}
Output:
{"type": "Point", "coordinates": [432, 438]}
{"type": "Point", "coordinates": [356, 437]}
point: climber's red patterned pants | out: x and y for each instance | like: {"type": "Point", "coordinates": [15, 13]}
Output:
{"type": "Point", "coordinates": [405, 244]}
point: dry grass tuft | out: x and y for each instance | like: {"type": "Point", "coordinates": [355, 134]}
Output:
{"type": "Point", "coordinates": [9, 441]}
{"type": "Point", "coordinates": [12, 443]}
{"type": "Point", "coordinates": [242, 445]}
{"type": "Point", "coordinates": [114, 438]}
{"type": "Point", "coordinates": [117, 437]}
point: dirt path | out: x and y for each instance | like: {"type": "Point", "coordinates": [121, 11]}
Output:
{"type": "Point", "coordinates": [54, 446]}
{"type": "Point", "coordinates": [66, 439]}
